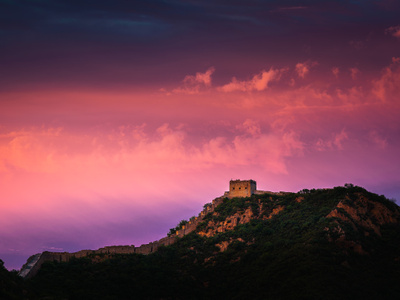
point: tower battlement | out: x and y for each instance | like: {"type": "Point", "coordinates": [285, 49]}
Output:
{"type": "Point", "coordinates": [241, 188]}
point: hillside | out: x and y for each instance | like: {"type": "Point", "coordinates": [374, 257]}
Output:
{"type": "Point", "coordinates": [316, 244]}
{"type": "Point", "coordinates": [11, 285]}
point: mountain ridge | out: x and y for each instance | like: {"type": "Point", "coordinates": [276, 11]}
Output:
{"type": "Point", "coordinates": [33, 264]}
{"type": "Point", "coordinates": [342, 211]}
{"type": "Point", "coordinates": [321, 243]}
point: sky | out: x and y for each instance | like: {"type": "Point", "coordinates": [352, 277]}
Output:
{"type": "Point", "coordinates": [120, 118]}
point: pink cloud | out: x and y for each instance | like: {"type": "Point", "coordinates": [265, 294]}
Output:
{"type": "Point", "coordinates": [352, 97]}
{"type": "Point", "coordinates": [269, 151]}
{"type": "Point", "coordinates": [259, 82]}
{"type": "Point", "coordinates": [302, 69]}
{"type": "Point", "coordinates": [192, 84]}
{"type": "Point", "coordinates": [109, 157]}
{"type": "Point", "coordinates": [387, 87]}
{"type": "Point", "coordinates": [200, 78]}
{"type": "Point", "coordinates": [251, 127]}
{"type": "Point", "coordinates": [334, 142]}
{"type": "Point", "coordinates": [339, 139]}
{"type": "Point", "coordinates": [306, 97]}
{"type": "Point", "coordinates": [394, 31]}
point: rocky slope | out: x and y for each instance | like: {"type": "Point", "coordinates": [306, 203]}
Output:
{"type": "Point", "coordinates": [363, 211]}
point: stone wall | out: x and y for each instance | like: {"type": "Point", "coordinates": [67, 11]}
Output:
{"type": "Point", "coordinates": [192, 225]}
{"type": "Point", "coordinates": [34, 262]}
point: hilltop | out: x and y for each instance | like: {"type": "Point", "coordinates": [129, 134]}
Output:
{"type": "Point", "coordinates": [315, 244]}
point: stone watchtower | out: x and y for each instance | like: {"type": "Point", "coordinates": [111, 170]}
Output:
{"type": "Point", "coordinates": [241, 188]}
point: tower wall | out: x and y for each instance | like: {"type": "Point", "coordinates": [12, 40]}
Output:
{"type": "Point", "coordinates": [241, 188]}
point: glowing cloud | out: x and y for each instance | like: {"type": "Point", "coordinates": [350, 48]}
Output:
{"type": "Point", "coordinates": [200, 78]}
{"type": "Point", "coordinates": [388, 86]}
{"type": "Point", "coordinates": [259, 82]}
{"type": "Point", "coordinates": [339, 138]}
{"type": "Point", "coordinates": [251, 127]}
{"type": "Point", "coordinates": [51, 151]}
{"type": "Point", "coordinates": [192, 84]}
{"type": "Point", "coordinates": [335, 142]}
{"type": "Point", "coordinates": [302, 69]}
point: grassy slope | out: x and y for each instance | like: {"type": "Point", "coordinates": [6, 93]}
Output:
{"type": "Point", "coordinates": [286, 257]}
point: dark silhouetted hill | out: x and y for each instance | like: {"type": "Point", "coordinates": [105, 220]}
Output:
{"type": "Point", "coordinates": [340, 243]}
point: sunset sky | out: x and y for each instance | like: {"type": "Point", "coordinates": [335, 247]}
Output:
{"type": "Point", "coordinates": [120, 118]}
